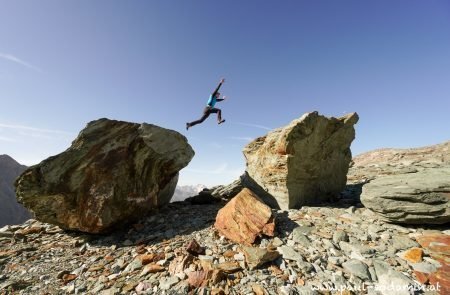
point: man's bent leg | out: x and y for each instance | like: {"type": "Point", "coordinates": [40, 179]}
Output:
{"type": "Point", "coordinates": [219, 115]}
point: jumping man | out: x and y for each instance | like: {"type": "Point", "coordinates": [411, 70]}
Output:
{"type": "Point", "coordinates": [209, 109]}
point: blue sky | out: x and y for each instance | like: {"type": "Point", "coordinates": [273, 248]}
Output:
{"type": "Point", "coordinates": [65, 63]}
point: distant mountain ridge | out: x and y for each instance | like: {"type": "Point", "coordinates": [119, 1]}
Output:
{"type": "Point", "coordinates": [11, 212]}
{"type": "Point", "coordinates": [185, 191]}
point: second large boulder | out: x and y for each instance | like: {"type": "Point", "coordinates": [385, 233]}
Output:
{"type": "Point", "coordinates": [305, 162]}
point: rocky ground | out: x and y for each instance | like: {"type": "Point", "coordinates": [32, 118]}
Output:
{"type": "Point", "coordinates": [335, 248]}
{"type": "Point", "coordinates": [324, 250]}
{"type": "Point", "coordinates": [382, 162]}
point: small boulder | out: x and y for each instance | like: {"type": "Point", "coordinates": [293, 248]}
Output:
{"type": "Point", "coordinates": [256, 257]}
{"type": "Point", "coordinates": [204, 197]}
{"type": "Point", "coordinates": [194, 248]}
{"type": "Point", "coordinates": [227, 191]}
{"type": "Point", "coordinates": [245, 218]}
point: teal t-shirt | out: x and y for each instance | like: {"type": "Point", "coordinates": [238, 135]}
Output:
{"type": "Point", "coordinates": [211, 101]}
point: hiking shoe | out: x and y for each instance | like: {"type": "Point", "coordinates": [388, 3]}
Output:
{"type": "Point", "coordinates": [187, 126]}
{"type": "Point", "coordinates": [221, 121]}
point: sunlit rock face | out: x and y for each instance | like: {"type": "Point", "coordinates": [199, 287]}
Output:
{"type": "Point", "coordinates": [305, 162]}
{"type": "Point", "coordinates": [114, 172]}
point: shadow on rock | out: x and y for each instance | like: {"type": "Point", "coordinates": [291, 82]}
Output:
{"type": "Point", "coordinates": [350, 196]}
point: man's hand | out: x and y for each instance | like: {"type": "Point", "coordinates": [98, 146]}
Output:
{"type": "Point", "coordinates": [222, 81]}
{"type": "Point", "coordinates": [224, 97]}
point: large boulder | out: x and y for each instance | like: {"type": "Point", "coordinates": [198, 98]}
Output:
{"type": "Point", "coordinates": [305, 162]}
{"type": "Point", "coordinates": [422, 197]}
{"type": "Point", "coordinates": [113, 173]}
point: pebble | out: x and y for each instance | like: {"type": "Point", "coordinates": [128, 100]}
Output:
{"type": "Point", "coordinates": [169, 282]}
{"type": "Point", "coordinates": [340, 236]}
{"type": "Point", "coordinates": [357, 268]}
{"type": "Point", "coordinates": [289, 253]}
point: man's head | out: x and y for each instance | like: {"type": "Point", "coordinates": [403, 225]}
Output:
{"type": "Point", "coordinates": [217, 94]}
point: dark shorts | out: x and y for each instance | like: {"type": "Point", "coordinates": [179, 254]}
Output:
{"type": "Point", "coordinates": [209, 110]}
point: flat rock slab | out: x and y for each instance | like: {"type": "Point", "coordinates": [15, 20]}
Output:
{"type": "Point", "coordinates": [415, 198]}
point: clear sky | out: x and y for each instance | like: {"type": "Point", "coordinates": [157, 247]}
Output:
{"type": "Point", "coordinates": [65, 63]}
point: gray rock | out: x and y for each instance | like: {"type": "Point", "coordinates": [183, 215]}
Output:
{"type": "Point", "coordinates": [338, 280]}
{"type": "Point", "coordinates": [227, 191]}
{"type": "Point", "coordinates": [168, 282]}
{"type": "Point", "coordinates": [340, 236]}
{"type": "Point", "coordinates": [336, 260]}
{"type": "Point", "coordinates": [356, 248]}
{"type": "Point", "coordinates": [418, 198]}
{"type": "Point", "coordinates": [374, 229]}
{"type": "Point", "coordinates": [305, 230]}
{"type": "Point", "coordinates": [391, 281]}
{"type": "Point", "coordinates": [289, 253]}
{"type": "Point", "coordinates": [202, 198]}
{"type": "Point", "coordinates": [398, 228]}
{"type": "Point", "coordinates": [303, 290]}
{"type": "Point", "coordinates": [301, 239]}
{"type": "Point", "coordinates": [305, 266]}
{"type": "Point", "coordinates": [255, 256]}
{"type": "Point", "coordinates": [327, 244]}
{"type": "Point", "coordinates": [111, 291]}
{"type": "Point", "coordinates": [357, 268]}
{"type": "Point", "coordinates": [424, 267]}
{"type": "Point", "coordinates": [402, 243]}
{"type": "Point", "coordinates": [373, 273]}
{"type": "Point", "coordinates": [350, 210]}
{"type": "Point", "coordinates": [135, 264]}
{"type": "Point", "coordinates": [277, 242]}
{"type": "Point", "coordinates": [98, 287]}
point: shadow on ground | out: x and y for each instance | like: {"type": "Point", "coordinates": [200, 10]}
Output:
{"type": "Point", "coordinates": [175, 219]}
{"type": "Point", "coordinates": [350, 196]}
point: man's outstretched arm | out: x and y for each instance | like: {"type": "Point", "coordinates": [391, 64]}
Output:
{"type": "Point", "coordinates": [218, 87]}
{"type": "Point", "coordinates": [220, 99]}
